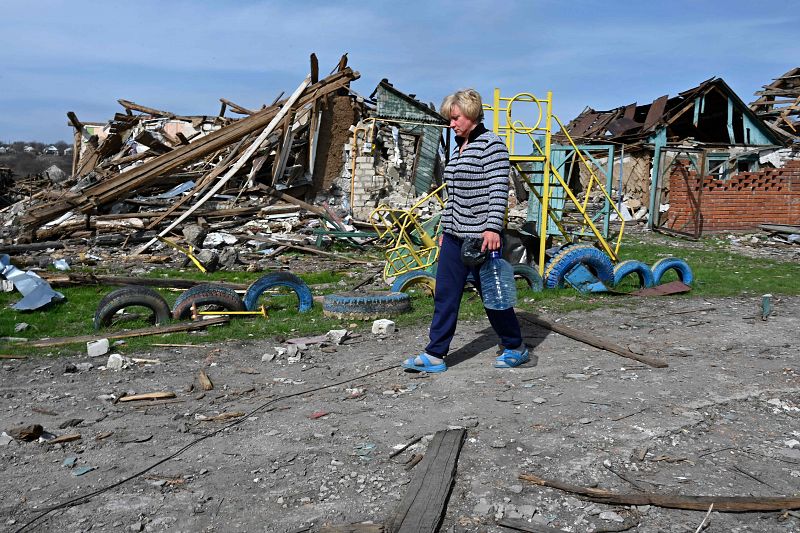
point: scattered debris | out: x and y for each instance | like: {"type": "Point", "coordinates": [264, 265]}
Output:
{"type": "Point", "coordinates": [147, 396]}
{"type": "Point", "coordinates": [205, 381]}
{"type": "Point", "coordinates": [729, 504]}
{"type": "Point", "coordinates": [26, 433]}
{"type": "Point", "coordinates": [383, 326]}
{"type": "Point", "coordinates": [97, 348]}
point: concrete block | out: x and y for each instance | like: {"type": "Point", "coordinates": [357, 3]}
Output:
{"type": "Point", "coordinates": [97, 348]}
{"type": "Point", "coordinates": [115, 362]}
{"type": "Point", "coordinates": [383, 326]}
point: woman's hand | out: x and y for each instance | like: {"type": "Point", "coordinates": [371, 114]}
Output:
{"type": "Point", "coordinates": [491, 241]}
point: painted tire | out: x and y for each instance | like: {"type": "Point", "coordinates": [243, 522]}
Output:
{"type": "Point", "coordinates": [206, 294]}
{"type": "Point", "coordinates": [415, 279]}
{"type": "Point", "coordinates": [572, 254]}
{"type": "Point", "coordinates": [681, 267]}
{"type": "Point", "coordinates": [131, 296]}
{"type": "Point", "coordinates": [633, 267]}
{"type": "Point", "coordinates": [366, 305]}
{"type": "Point", "coordinates": [530, 275]}
{"type": "Point", "coordinates": [305, 301]}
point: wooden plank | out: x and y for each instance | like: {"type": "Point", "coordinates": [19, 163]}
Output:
{"type": "Point", "coordinates": [292, 200]}
{"type": "Point", "coordinates": [592, 340]}
{"type": "Point", "coordinates": [340, 257]}
{"type": "Point", "coordinates": [425, 501]}
{"type": "Point", "coordinates": [241, 110]}
{"type": "Point", "coordinates": [127, 104]}
{"type": "Point", "coordinates": [65, 438]}
{"type": "Point", "coordinates": [147, 396]}
{"type": "Point", "coordinates": [730, 504]}
{"type": "Point", "coordinates": [72, 279]}
{"type": "Point", "coordinates": [200, 185]}
{"type": "Point", "coordinates": [353, 528]}
{"type": "Point", "coordinates": [156, 330]}
{"type": "Point", "coordinates": [236, 166]}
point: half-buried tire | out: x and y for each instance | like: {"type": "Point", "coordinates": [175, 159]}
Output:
{"type": "Point", "coordinates": [417, 279]}
{"type": "Point", "coordinates": [572, 254]}
{"type": "Point", "coordinates": [305, 299]}
{"type": "Point", "coordinates": [681, 267]}
{"type": "Point", "coordinates": [204, 297]}
{"type": "Point", "coordinates": [634, 269]}
{"type": "Point", "coordinates": [366, 306]}
{"type": "Point", "coordinates": [530, 275]}
{"type": "Point", "coordinates": [131, 296]}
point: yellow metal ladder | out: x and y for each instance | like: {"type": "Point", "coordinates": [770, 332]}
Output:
{"type": "Point", "coordinates": [540, 137]}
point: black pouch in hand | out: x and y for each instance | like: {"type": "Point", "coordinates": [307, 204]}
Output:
{"type": "Point", "coordinates": [471, 254]}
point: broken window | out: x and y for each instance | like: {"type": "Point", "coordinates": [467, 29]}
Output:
{"type": "Point", "coordinates": [717, 165]}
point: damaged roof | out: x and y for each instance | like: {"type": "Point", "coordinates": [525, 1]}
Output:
{"type": "Point", "coordinates": [413, 110]}
{"type": "Point", "coordinates": [710, 113]}
{"type": "Point", "coordinates": [778, 105]}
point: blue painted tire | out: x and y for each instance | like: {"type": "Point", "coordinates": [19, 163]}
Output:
{"type": "Point", "coordinates": [206, 294]}
{"type": "Point", "coordinates": [572, 254]}
{"type": "Point", "coordinates": [633, 267]}
{"type": "Point", "coordinates": [681, 267]}
{"type": "Point", "coordinates": [416, 278]}
{"type": "Point", "coordinates": [365, 306]}
{"type": "Point", "coordinates": [305, 301]}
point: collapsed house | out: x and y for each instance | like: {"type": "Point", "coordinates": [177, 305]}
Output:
{"type": "Point", "coordinates": [148, 174]}
{"type": "Point", "coordinates": [705, 132]}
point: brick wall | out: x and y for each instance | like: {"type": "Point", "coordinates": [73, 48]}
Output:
{"type": "Point", "coordinates": [742, 202]}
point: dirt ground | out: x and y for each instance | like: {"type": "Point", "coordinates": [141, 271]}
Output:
{"type": "Point", "coordinates": [723, 419]}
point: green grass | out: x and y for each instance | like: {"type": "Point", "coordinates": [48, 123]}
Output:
{"type": "Point", "coordinates": [717, 271]}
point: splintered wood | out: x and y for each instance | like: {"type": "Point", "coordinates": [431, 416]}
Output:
{"type": "Point", "coordinates": [169, 166]}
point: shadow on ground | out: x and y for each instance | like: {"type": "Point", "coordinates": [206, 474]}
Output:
{"type": "Point", "coordinates": [487, 339]}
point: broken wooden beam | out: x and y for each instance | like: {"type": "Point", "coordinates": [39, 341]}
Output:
{"type": "Point", "coordinates": [147, 396]}
{"type": "Point", "coordinates": [724, 504]}
{"type": "Point", "coordinates": [246, 156]}
{"type": "Point", "coordinates": [425, 502]}
{"type": "Point", "coordinates": [531, 527]}
{"type": "Point", "coordinates": [68, 280]}
{"type": "Point", "coordinates": [592, 340]}
{"type": "Point", "coordinates": [241, 110]}
{"type": "Point", "coordinates": [340, 257]}
{"type": "Point", "coordinates": [133, 106]}
{"type": "Point", "coordinates": [142, 332]}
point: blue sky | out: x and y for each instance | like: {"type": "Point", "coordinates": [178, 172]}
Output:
{"type": "Point", "coordinates": [182, 56]}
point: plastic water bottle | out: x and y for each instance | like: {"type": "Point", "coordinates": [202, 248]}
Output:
{"type": "Point", "coordinates": [497, 283]}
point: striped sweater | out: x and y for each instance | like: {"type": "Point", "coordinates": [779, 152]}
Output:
{"type": "Point", "coordinates": [477, 186]}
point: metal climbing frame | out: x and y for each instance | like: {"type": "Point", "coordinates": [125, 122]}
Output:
{"type": "Point", "coordinates": [412, 244]}
{"type": "Point", "coordinates": [539, 135]}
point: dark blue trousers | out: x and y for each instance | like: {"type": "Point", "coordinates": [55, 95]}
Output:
{"type": "Point", "coordinates": [450, 278]}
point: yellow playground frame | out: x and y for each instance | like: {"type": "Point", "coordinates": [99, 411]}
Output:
{"type": "Point", "coordinates": [509, 128]}
{"type": "Point", "coordinates": [412, 245]}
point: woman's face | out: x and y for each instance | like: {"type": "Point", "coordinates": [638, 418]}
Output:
{"type": "Point", "coordinates": [459, 123]}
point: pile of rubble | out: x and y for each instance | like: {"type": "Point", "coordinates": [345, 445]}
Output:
{"type": "Point", "coordinates": [152, 181]}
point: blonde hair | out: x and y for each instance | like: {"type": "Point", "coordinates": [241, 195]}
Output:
{"type": "Point", "coordinates": [468, 101]}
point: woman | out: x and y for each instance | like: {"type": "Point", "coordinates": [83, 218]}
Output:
{"type": "Point", "coordinates": [477, 197]}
